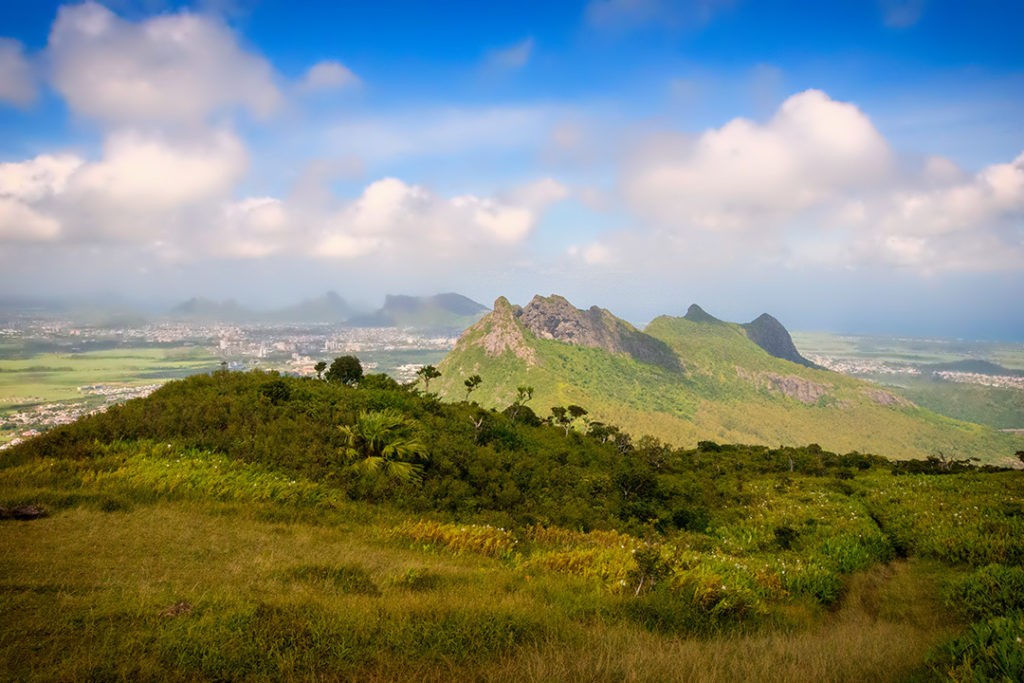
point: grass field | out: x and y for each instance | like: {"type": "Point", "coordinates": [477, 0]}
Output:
{"type": "Point", "coordinates": [56, 377]}
{"type": "Point", "coordinates": [907, 350]}
{"type": "Point", "coordinates": [176, 565]}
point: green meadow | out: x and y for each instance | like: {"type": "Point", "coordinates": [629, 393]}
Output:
{"type": "Point", "coordinates": [57, 376]}
{"type": "Point", "coordinates": [507, 550]}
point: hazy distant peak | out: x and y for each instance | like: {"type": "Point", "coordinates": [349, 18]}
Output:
{"type": "Point", "coordinates": [440, 311]}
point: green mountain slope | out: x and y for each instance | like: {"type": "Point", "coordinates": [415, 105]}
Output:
{"type": "Point", "coordinates": [724, 387]}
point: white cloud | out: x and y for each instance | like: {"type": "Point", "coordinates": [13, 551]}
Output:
{"type": "Point", "coordinates": [252, 228]}
{"type": "Point", "coordinates": [738, 176]}
{"type": "Point", "coordinates": [38, 178]}
{"type": "Point", "coordinates": [593, 254]}
{"type": "Point", "coordinates": [21, 223]}
{"type": "Point", "coordinates": [512, 57]}
{"type": "Point", "coordinates": [17, 84]}
{"type": "Point", "coordinates": [817, 184]}
{"type": "Point", "coordinates": [172, 68]}
{"type": "Point", "coordinates": [328, 75]}
{"type": "Point", "coordinates": [147, 173]}
{"type": "Point", "coordinates": [406, 223]}
{"type": "Point", "coordinates": [144, 188]}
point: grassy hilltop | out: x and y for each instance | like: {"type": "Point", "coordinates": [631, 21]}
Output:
{"type": "Point", "coordinates": [247, 526]}
{"type": "Point", "coordinates": [721, 386]}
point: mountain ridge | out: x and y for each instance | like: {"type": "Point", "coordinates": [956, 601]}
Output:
{"type": "Point", "coordinates": [725, 387]}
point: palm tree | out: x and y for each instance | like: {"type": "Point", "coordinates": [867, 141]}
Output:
{"type": "Point", "coordinates": [379, 444]}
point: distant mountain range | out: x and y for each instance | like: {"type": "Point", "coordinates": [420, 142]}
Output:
{"type": "Point", "coordinates": [441, 311]}
{"type": "Point", "coordinates": [450, 312]}
{"type": "Point", "coordinates": [695, 377]}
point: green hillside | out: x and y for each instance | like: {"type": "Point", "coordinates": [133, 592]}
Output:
{"type": "Point", "coordinates": [228, 527]}
{"type": "Point", "coordinates": [729, 389]}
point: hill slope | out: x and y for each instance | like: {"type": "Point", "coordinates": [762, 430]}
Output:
{"type": "Point", "coordinates": [722, 386]}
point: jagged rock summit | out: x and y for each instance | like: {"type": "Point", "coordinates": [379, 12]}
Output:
{"type": "Point", "coordinates": [773, 337]}
{"type": "Point", "coordinates": [508, 327]}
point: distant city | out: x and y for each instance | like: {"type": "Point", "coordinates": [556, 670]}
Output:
{"type": "Point", "coordinates": [287, 348]}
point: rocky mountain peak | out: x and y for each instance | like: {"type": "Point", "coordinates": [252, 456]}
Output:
{"type": "Point", "coordinates": [499, 332]}
{"type": "Point", "coordinates": [773, 337]}
{"type": "Point", "coordinates": [553, 317]}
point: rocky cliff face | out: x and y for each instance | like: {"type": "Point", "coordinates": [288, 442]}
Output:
{"type": "Point", "coordinates": [499, 332]}
{"type": "Point", "coordinates": [508, 329]}
{"type": "Point", "coordinates": [555, 318]}
{"type": "Point", "coordinates": [770, 335]}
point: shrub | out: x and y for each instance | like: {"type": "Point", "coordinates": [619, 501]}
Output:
{"type": "Point", "coordinates": [991, 650]}
{"type": "Point", "coordinates": [991, 591]}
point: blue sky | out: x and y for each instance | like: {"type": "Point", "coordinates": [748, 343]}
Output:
{"type": "Point", "coordinates": [847, 166]}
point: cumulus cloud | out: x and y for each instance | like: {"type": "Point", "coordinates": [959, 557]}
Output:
{"type": "Point", "coordinates": [400, 221]}
{"type": "Point", "coordinates": [971, 224]}
{"type": "Point", "coordinates": [17, 84]}
{"type": "Point", "coordinates": [139, 190]}
{"type": "Point", "coordinates": [39, 178]}
{"type": "Point", "coordinates": [19, 222]}
{"type": "Point", "coordinates": [170, 68]}
{"type": "Point", "coordinates": [255, 227]}
{"type": "Point", "coordinates": [512, 57]}
{"type": "Point", "coordinates": [328, 75]}
{"type": "Point", "coordinates": [27, 191]}
{"type": "Point", "coordinates": [152, 173]}
{"type": "Point", "coordinates": [818, 184]}
{"type": "Point", "coordinates": [735, 177]}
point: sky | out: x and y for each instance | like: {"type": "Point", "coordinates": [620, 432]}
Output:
{"type": "Point", "coordinates": [847, 166]}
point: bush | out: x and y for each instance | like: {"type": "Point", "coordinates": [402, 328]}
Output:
{"type": "Point", "coordinates": [991, 591]}
{"type": "Point", "coordinates": [990, 651]}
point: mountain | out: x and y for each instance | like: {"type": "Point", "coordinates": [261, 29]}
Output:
{"type": "Point", "coordinates": [693, 378]}
{"type": "Point", "coordinates": [770, 335]}
{"type": "Point", "coordinates": [555, 318]}
{"type": "Point", "coordinates": [448, 311]}
{"type": "Point", "coordinates": [329, 308]}
{"type": "Point", "coordinates": [198, 308]}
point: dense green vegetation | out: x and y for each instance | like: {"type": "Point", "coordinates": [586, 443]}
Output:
{"type": "Point", "coordinates": [729, 390]}
{"type": "Point", "coordinates": [259, 527]}
{"type": "Point", "coordinates": [999, 407]}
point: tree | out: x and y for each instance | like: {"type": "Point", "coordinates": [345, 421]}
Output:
{"type": "Point", "coordinates": [523, 394]}
{"type": "Point", "coordinates": [345, 370]}
{"type": "Point", "coordinates": [276, 391]}
{"type": "Point", "coordinates": [471, 384]}
{"type": "Point", "coordinates": [320, 366]}
{"type": "Point", "coordinates": [427, 373]}
{"type": "Point", "coordinates": [567, 416]}
{"type": "Point", "coordinates": [380, 444]}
